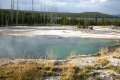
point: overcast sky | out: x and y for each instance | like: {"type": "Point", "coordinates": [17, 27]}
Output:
{"type": "Point", "coordinates": [105, 6]}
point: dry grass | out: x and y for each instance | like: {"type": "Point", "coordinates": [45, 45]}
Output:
{"type": "Point", "coordinates": [101, 62]}
{"type": "Point", "coordinates": [104, 51]}
{"type": "Point", "coordinates": [72, 72]}
{"type": "Point", "coordinates": [38, 71]}
{"type": "Point", "coordinates": [116, 53]}
{"type": "Point", "coordinates": [35, 71]}
{"type": "Point", "coordinates": [27, 71]}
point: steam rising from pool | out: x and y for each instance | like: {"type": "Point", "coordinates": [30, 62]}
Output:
{"type": "Point", "coordinates": [49, 46]}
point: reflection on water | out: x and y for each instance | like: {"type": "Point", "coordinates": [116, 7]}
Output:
{"type": "Point", "coordinates": [49, 46]}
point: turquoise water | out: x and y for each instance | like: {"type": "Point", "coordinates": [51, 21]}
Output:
{"type": "Point", "coordinates": [49, 46]}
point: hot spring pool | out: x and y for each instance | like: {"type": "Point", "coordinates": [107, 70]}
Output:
{"type": "Point", "coordinates": [49, 46]}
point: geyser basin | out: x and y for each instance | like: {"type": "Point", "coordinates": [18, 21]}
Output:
{"type": "Point", "coordinates": [49, 46]}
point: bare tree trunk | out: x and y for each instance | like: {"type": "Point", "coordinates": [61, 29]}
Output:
{"type": "Point", "coordinates": [44, 13]}
{"type": "Point", "coordinates": [33, 11]}
{"type": "Point", "coordinates": [1, 17]}
{"type": "Point", "coordinates": [12, 8]}
{"type": "Point", "coordinates": [17, 13]}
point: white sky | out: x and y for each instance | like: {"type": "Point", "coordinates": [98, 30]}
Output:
{"type": "Point", "coordinates": [105, 6]}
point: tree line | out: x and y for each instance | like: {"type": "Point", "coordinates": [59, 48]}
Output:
{"type": "Point", "coordinates": [29, 18]}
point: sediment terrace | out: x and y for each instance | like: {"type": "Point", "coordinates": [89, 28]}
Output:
{"type": "Point", "coordinates": [66, 31]}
